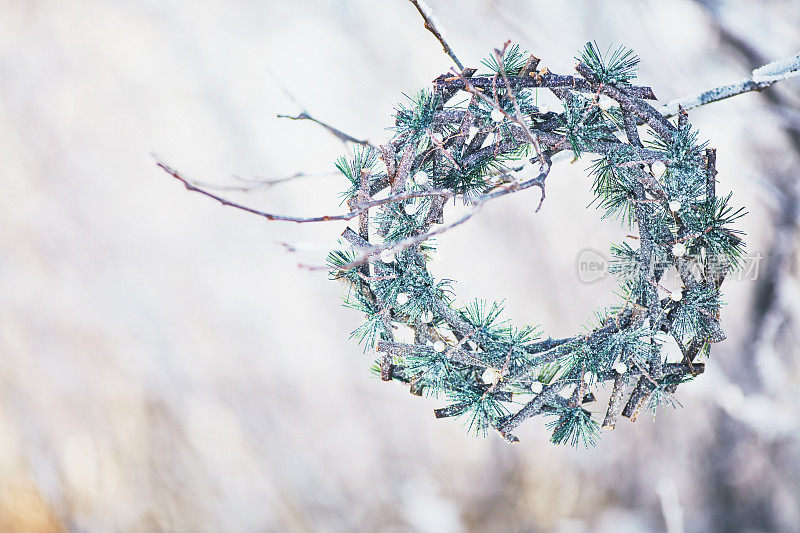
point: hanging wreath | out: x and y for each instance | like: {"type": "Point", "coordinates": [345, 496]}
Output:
{"type": "Point", "coordinates": [494, 374]}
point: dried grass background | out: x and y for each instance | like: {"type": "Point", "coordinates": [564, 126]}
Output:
{"type": "Point", "coordinates": [165, 366]}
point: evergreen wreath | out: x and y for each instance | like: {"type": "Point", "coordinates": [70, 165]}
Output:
{"type": "Point", "coordinates": [495, 374]}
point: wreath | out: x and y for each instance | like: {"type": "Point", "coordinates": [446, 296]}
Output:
{"type": "Point", "coordinates": [466, 140]}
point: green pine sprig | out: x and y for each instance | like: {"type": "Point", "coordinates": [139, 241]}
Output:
{"type": "Point", "coordinates": [617, 67]}
{"type": "Point", "coordinates": [574, 426]}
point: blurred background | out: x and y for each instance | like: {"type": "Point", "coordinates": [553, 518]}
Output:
{"type": "Point", "coordinates": [166, 366]}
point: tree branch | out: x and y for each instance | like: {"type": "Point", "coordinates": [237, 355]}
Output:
{"type": "Point", "coordinates": [541, 79]}
{"type": "Point", "coordinates": [639, 108]}
{"type": "Point", "coordinates": [305, 115]}
{"type": "Point", "coordinates": [427, 15]}
{"type": "Point", "coordinates": [257, 184]}
{"type": "Point", "coordinates": [762, 78]}
{"type": "Point", "coordinates": [520, 119]}
{"type": "Point", "coordinates": [359, 207]}
{"type": "Point", "coordinates": [336, 132]}
{"type": "Point", "coordinates": [269, 216]}
{"type": "Point", "coordinates": [372, 251]}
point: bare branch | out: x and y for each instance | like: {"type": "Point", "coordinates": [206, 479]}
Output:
{"type": "Point", "coordinates": [336, 132]}
{"type": "Point", "coordinates": [762, 78]}
{"type": "Point", "coordinates": [408, 195]}
{"type": "Point", "coordinates": [430, 25]}
{"type": "Point", "coordinates": [614, 403]}
{"type": "Point", "coordinates": [542, 79]}
{"type": "Point", "coordinates": [256, 184]}
{"type": "Point", "coordinates": [358, 209]}
{"type": "Point", "coordinates": [305, 115]}
{"type": "Point", "coordinates": [269, 216]}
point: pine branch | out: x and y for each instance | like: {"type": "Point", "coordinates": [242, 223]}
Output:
{"type": "Point", "coordinates": [639, 108]}
{"type": "Point", "coordinates": [518, 117]}
{"type": "Point", "coordinates": [455, 354]}
{"type": "Point", "coordinates": [367, 253]}
{"type": "Point", "coordinates": [532, 408]}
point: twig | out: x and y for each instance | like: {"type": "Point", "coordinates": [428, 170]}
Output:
{"type": "Point", "coordinates": [762, 78]}
{"type": "Point", "coordinates": [614, 403]}
{"type": "Point", "coordinates": [532, 408]}
{"type": "Point", "coordinates": [305, 115]}
{"type": "Point", "coordinates": [408, 195]}
{"type": "Point", "coordinates": [371, 251]}
{"type": "Point", "coordinates": [336, 132]}
{"type": "Point", "coordinates": [261, 184]}
{"type": "Point", "coordinates": [637, 398]}
{"type": "Point", "coordinates": [639, 108]}
{"type": "Point", "coordinates": [456, 354]}
{"type": "Point", "coordinates": [430, 25]}
{"type": "Point", "coordinates": [544, 162]}
{"type": "Point", "coordinates": [398, 246]}
{"type": "Point", "coordinates": [557, 143]}
{"type": "Point", "coordinates": [269, 216]}
{"type": "Point", "coordinates": [498, 54]}
{"type": "Point", "coordinates": [538, 181]}
{"type": "Point", "coordinates": [363, 216]}
{"type": "Point", "coordinates": [547, 80]}
{"type": "Point", "coordinates": [358, 208]}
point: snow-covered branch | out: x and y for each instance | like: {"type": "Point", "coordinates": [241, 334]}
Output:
{"type": "Point", "coordinates": [761, 78]}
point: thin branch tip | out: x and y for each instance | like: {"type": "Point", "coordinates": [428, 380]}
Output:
{"type": "Point", "coordinates": [430, 24]}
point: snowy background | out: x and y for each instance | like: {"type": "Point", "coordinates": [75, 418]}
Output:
{"type": "Point", "coordinates": [165, 366]}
